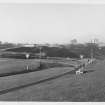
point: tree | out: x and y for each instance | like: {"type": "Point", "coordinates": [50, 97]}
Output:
{"type": "Point", "coordinates": [74, 41]}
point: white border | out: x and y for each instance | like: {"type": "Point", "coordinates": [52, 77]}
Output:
{"type": "Point", "coordinates": [55, 1]}
{"type": "Point", "coordinates": [51, 103]}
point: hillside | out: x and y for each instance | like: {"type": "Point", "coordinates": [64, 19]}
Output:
{"type": "Point", "coordinates": [72, 51]}
{"type": "Point", "coordinates": [34, 51]}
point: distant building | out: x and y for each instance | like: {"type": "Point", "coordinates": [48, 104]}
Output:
{"type": "Point", "coordinates": [28, 45]}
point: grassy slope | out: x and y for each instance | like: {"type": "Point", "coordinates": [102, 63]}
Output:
{"type": "Point", "coordinates": [23, 79]}
{"type": "Point", "coordinates": [11, 65]}
{"type": "Point", "coordinates": [86, 87]}
{"type": "Point", "coordinates": [14, 65]}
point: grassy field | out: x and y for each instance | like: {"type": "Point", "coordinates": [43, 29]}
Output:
{"type": "Point", "coordinates": [12, 65]}
{"type": "Point", "coordinates": [52, 84]}
{"type": "Point", "coordinates": [16, 65]}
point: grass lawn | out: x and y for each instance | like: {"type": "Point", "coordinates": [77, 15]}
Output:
{"type": "Point", "coordinates": [16, 65]}
{"type": "Point", "coordinates": [70, 87]}
{"type": "Point", "coordinates": [11, 65]}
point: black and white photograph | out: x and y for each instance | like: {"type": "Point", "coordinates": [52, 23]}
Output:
{"type": "Point", "coordinates": [52, 51]}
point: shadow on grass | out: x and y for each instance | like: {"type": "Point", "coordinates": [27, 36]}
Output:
{"type": "Point", "coordinates": [89, 71]}
{"type": "Point", "coordinates": [40, 81]}
{"type": "Point", "coordinates": [84, 72]}
{"type": "Point", "coordinates": [35, 83]}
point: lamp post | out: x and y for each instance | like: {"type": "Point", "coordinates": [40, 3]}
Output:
{"type": "Point", "coordinates": [40, 55]}
{"type": "Point", "coordinates": [92, 56]}
{"type": "Point", "coordinates": [92, 50]}
{"type": "Point", "coordinates": [27, 57]}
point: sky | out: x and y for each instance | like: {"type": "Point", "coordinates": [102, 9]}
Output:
{"type": "Point", "coordinates": [51, 22]}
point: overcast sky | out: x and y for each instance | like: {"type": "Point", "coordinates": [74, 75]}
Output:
{"type": "Point", "coordinates": [51, 23]}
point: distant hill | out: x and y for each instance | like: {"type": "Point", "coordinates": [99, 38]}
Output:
{"type": "Point", "coordinates": [72, 51]}
{"type": "Point", "coordinates": [49, 51]}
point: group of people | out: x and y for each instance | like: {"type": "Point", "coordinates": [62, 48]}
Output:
{"type": "Point", "coordinates": [80, 68]}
